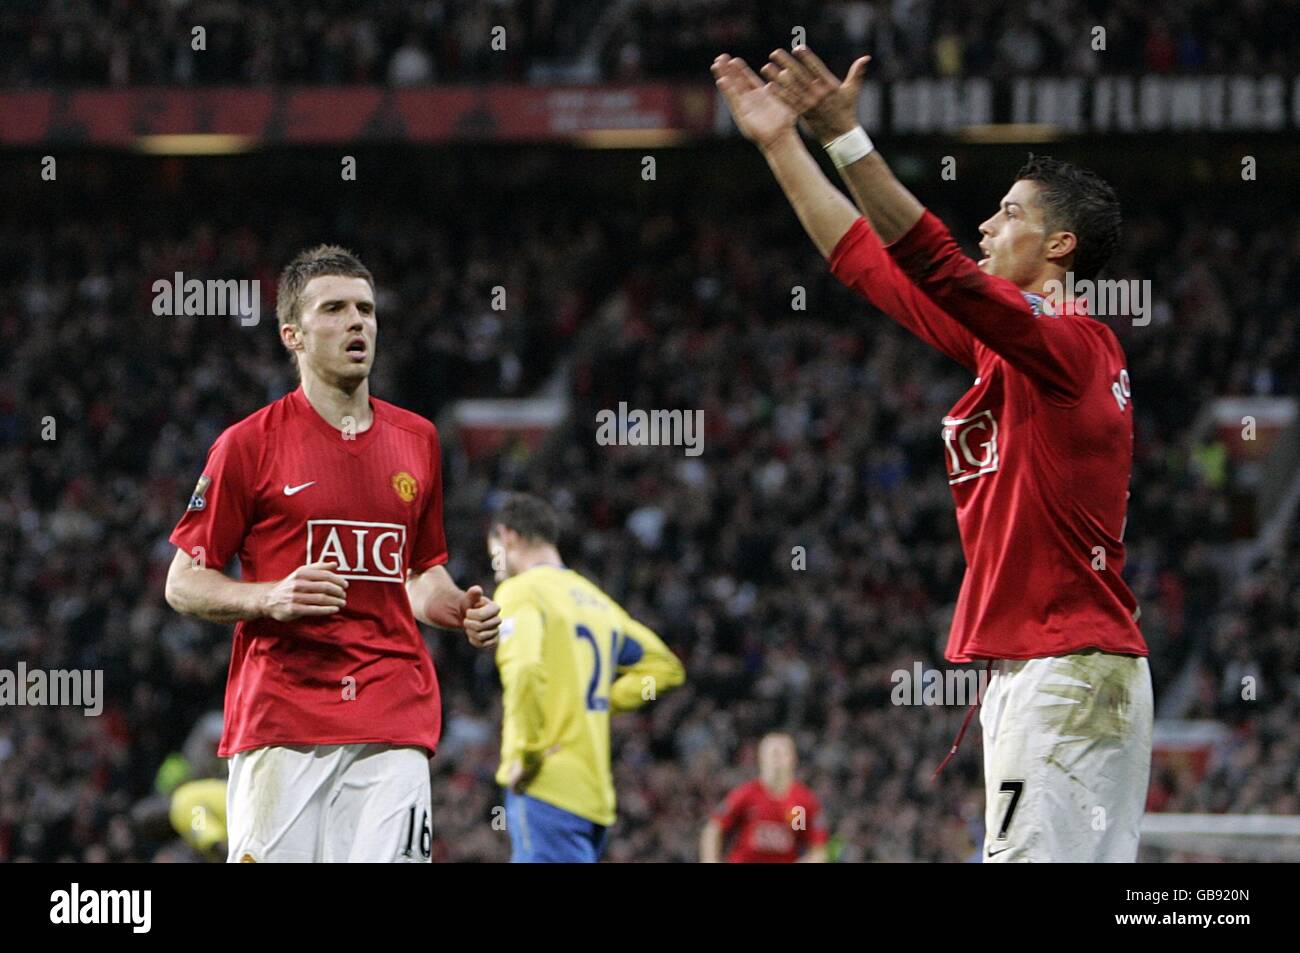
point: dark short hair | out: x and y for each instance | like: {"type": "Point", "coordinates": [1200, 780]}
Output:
{"type": "Point", "coordinates": [309, 264]}
{"type": "Point", "coordinates": [529, 516]}
{"type": "Point", "coordinates": [1079, 201]}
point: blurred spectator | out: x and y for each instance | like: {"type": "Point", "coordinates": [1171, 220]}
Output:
{"type": "Point", "coordinates": [410, 65]}
{"type": "Point", "coordinates": [327, 42]}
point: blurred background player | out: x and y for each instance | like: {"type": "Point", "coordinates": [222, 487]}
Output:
{"type": "Point", "coordinates": [332, 500]}
{"type": "Point", "coordinates": [775, 818]}
{"type": "Point", "coordinates": [189, 797]}
{"type": "Point", "coordinates": [569, 656]}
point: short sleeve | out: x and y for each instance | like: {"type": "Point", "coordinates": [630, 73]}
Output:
{"type": "Point", "coordinates": [816, 831]}
{"type": "Point", "coordinates": [220, 509]}
{"type": "Point", "coordinates": [729, 811]}
{"type": "Point", "coordinates": [430, 546]}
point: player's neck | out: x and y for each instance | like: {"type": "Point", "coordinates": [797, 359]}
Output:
{"type": "Point", "coordinates": [541, 556]}
{"type": "Point", "coordinates": [1047, 281]}
{"type": "Point", "coordinates": [337, 405]}
{"type": "Point", "coordinates": [777, 786]}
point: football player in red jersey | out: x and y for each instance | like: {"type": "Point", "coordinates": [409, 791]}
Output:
{"type": "Point", "coordinates": [332, 500]}
{"type": "Point", "coordinates": [1038, 453]}
{"type": "Point", "coordinates": [775, 819]}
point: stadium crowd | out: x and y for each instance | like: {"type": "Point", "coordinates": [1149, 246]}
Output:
{"type": "Point", "coordinates": [821, 433]}
{"type": "Point", "coordinates": [116, 43]}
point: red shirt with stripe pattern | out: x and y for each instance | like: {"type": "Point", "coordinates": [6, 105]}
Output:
{"type": "Point", "coordinates": [283, 488]}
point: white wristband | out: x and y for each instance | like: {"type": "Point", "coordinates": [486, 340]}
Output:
{"type": "Point", "coordinates": [850, 147]}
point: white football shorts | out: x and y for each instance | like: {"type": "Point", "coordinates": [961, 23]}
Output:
{"type": "Point", "coordinates": [1067, 758]}
{"type": "Point", "coordinates": [364, 803]}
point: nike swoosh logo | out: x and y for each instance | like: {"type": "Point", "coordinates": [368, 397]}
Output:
{"type": "Point", "coordinates": [994, 853]}
{"type": "Point", "coordinates": [291, 490]}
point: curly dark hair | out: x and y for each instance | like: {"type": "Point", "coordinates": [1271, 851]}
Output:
{"type": "Point", "coordinates": [1079, 201]}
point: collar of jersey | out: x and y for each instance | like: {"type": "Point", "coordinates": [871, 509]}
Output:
{"type": "Point", "coordinates": [303, 407]}
{"type": "Point", "coordinates": [1070, 307]}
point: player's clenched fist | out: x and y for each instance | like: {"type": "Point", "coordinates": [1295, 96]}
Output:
{"type": "Point", "coordinates": [311, 590]}
{"type": "Point", "coordinates": [480, 617]}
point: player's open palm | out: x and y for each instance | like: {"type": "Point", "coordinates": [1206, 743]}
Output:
{"type": "Point", "coordinates": [759, 112]}
{"type": "Point", "coordinates": [311, 590]}
{"type": "Point", "coordinates": [481, 618]}
{"type": "Point", "coordinates": [805, 84]}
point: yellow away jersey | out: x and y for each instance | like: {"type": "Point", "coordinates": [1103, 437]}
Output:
{"type": "Point", "coordinates": [569, 655]}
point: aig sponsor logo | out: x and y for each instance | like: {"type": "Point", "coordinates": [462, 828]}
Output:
{"type": "Point", "coordinates": [371, 551]}
{"type": "Point", "coordinates": [972, 445]}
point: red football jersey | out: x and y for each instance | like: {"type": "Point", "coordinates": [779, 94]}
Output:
{"type": "Point", "coordinates": [1038, 452]}
{"type": "Point", "coordinates": [772, 830]}
{"type": "Point", "coordinates": [283, 488]}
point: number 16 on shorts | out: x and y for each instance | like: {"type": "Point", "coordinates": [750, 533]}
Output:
{"type": "Point", "coordinates": [417, 838]}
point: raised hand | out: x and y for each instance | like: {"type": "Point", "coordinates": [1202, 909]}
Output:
{"type": "Point", "coordinates": [760, 113]}
{"type": "Point", "coordinates": [802, 81]}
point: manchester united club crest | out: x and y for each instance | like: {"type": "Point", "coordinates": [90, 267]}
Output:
{"type": "Point", "coordinates": [405, 486]}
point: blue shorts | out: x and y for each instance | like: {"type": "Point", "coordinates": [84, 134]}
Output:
{"type": "Point", "coordinates": [541, 833]}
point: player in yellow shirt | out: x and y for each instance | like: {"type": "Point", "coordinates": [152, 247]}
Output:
{"type": "Point", "coordinates": [569, 656]}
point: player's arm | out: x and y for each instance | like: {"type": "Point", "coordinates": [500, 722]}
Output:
{"type": "Point", "coordinates": [198, 590]}
{"type": "Point", "coordinates": [861, 262]}
{"type": "Point", "coordinates": [436, 600]}
{"type": "Point", "coordinates": [769, 123]}
{"type": "Point", "coordinates": [829, 109]}
{"type": "Point", "coordinates": [991, 308]}
{"type": "Point", "coordinates": [843, 237]}
{"type": "Point", "coordinates": [520, 662]}
{"type": "Point", "coordinates": [645, 666]}
{"type": "Point", "coordinates": [814, 835]}
{"type": "Point", "coordinates": [211, 531]}
{"type": "Point", "coordinates": [722, 820]}
{"type": "Point", "coordinates": [711, 843]}
{"type": "Point", "coordinates": [1052, 351]}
